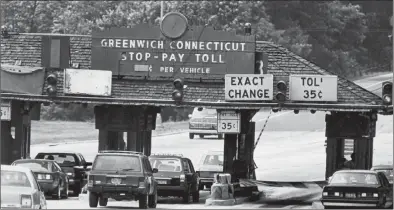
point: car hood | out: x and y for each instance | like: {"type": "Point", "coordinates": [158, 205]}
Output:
{"type": "Point", "coordinates": [217, 168]}
{"type": "Point", "coordinates": [11, 194]}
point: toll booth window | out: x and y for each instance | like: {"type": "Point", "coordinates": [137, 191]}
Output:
{"type": "Point", "coordinates": [14, 179]}
{"type": "Point", "coordinates": [213, 160]}
{"type": "Point", "coordinates": [117, 162]}
{"type": "Point", "coordinates": [354, 178]}
{"type": "Point", "coordinates": [37, 166]}
{"type": "Point", "coordinates": [166, 164]}
{"type": "Point", "coordinates": [204, 113]}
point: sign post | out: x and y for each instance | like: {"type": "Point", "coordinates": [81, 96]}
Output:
{"type": "Point", "coordinates": [5, 111]}
{"type": "Point", "coordinates": [313, 88]}
{"type": "Point", "coordinates": [229, 121]}
{"type": "Point", "coordinates": [249, 87]}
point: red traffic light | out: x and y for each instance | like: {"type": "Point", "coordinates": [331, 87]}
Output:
{"type": "Point", "coordinates": [51, 86]}
{"type": "Point", "coordinates": [387, 92]}
{"type": "Point", "coordinates": [52, 79]}
{"type": "Point", "coordinates": [281, 85]}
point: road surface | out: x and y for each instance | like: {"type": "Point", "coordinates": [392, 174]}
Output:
{"type": "Point", "coordinates": [291, 149]}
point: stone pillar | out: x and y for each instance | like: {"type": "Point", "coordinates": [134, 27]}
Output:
{"type": "Point", "coordinates": [249, 149]}
{"type": "Point", "coordinates": [147, 142]}
{"type": "Point", "coordinates": [334, 152]}
{"type": "Point", "coordinates": [230, 151]}
{"type": "Point", "coordinates": [103, 140]}
{"type": "Point", "coordinates": [363, 149]}
{"type": "Point", "coordinates": [131, 141]}
{"type": "Point", "coordinates": [245, 144]}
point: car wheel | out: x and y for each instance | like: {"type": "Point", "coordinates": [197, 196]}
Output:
{"type": "Point", "coordinates": [103, 201]}
{"type": "Point", "coordinates": [93, 200]}
{"type": "Point", "coordinates": [220, 136]}
{"type": "Point", "coordinates": [186, 197]}
{"type": "Point", "coordinates": [191, 136]}
{"type": "Point", "coordinates": [58, 194]}
{"type": "Point", "coordinates": [153, 200]}
{"type": "Point", "coordinates": [201, 136]}
{"type": "Point", "coordinates": [143, 201]}
{"type": "Point", "coordinates": [196, 196]}
{"type": "Point", "coordinates": [77, 189]}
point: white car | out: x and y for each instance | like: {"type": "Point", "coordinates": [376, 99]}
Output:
{"type": "Point", "coordinates": [210, 163]}
{"type": "Point", "coordinates": [20, 189]}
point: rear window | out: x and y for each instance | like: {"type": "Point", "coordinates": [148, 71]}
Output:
{"type": "Point", "coordinates": [354, 178]}
{"type": "Point", "coordinates": [117, 162]}
{"type": "Point", "coordinates": [166, 164]}
{"type": "Point", "coordinates": [64, 160]}
{"type": "Point", "coordinates": [36, 166]}
{"type": "Point", "coordinates": [204, 113]}
{"type": "Point", "coordinates": [14, 179]}
{"type": "Point", "coordinates": [213, 160]}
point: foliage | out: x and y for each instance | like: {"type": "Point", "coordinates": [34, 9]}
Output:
{"type": "Point", "coordinates": [346, 37]}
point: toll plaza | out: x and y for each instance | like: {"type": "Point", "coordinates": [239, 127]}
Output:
{"type": "Point", "coordinates": [129, 74]}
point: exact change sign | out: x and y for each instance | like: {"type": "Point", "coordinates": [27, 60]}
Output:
{"type": "Point", "coordinates": [249, 87]}
{"type": "Point", "coordinates": [5, 111]}
{"type": "Point", "coordinates": [313, 88]}
{"type": "Point", "coordinates": [229, 122]}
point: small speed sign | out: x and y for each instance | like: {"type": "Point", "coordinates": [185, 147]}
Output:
{"type": "Point", "coordinates": [229, 122]}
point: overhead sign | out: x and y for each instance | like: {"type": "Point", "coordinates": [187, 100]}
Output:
{"type": "Point", "coordinates": [200, 52]}
{"type": "Point", "coordinates": [313, 88]}
{"type": "Point", "coordinates": [249, 87]}
{"type": "Point", "coordinates": [229, 121]}
{"type": "Point", "coordinates": [5, 111]}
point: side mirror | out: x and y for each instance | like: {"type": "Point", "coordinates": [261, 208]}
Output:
{"type": "Point", "coordinates": [155, 170]}
{"type": "Point", "coordinates": [88, 164]}
{"type": "Point", "coordinates": [190, 116]}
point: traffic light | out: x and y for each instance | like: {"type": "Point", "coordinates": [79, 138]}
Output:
{"type": "Point", "coordinates": [282, 89]}
{"type": "Point", "coordinates": [387, 92]}
{"type": "Point", "coordinates": [177, 94]}
{"type": "Point", "coordinates": [51, 84]}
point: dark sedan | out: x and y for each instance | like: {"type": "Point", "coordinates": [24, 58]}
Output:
{"type": "Point", "coordinates": [357, 189]}
{"type": "Point", "coordinates": [386, 169]}
{"type": "Point", "coordinates": [53, 181]}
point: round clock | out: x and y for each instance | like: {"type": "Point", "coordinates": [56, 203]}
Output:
{"type": "Point", "coordinates": [173, 25]}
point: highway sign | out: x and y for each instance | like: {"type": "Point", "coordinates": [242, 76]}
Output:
{"type": "Point", "coordinates": [249, 87]}
{"type": "Point", "coordinates": [229, 122]}
{"type": "Point", "coordinates": [313, 88]}
{"type": "Point", "coordinates": [5, 111]}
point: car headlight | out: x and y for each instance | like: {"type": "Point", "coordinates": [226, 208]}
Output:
{"type": "Point", "coordinates": [26, 201]}
{"type": "Point", "coordinates": [325, 193]}
{"type": "Point", "coordinates": [70, 174]}
{"type": "Point", "coordinates": [363, 194]}
{"type": "Point", "coordinates": [375, 195]}
{"type": "Point", "coordinates": [336, 193]}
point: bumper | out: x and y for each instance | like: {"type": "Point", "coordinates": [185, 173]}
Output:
{"type": "Point", "coordinates": [206, 180]}
{"type": "Point", "coordinates": [208, 132]}
{"type": "Point", "coordinates": [17, 206]}
{"type": "Point", "coordinates": [47, 187]}
{"type": "Point", "coordinates": [73, 182]}
{"type": "Point", "coordinates": [126, 190]}
{"type": "Point", "coordinates": [168, 190]}
{"type": "Point", "coordinates": [350, 203]}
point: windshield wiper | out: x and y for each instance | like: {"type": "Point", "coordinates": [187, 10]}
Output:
{"type": "Point", "coordinates": [128, 169]}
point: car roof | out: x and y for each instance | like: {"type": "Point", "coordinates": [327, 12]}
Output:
{"type": "Point", "coordinates": [34, 160]}
{"type": "Point", "coordinates": [357, 171]}
{"type": "Point", "coordinates": [15, 168]}
{"type": "Point", "coordinates": [167, 156]}
{"type": "Point", "coordinates": [377, 167]}
{"type": "Point", "coordinates": [71, 153]}
{"type": "Point", "coordinates": [116, 152]}
{"type": "Point", "coordinates": [215, 153]}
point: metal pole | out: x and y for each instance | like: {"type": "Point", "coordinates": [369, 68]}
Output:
{"type": "Point", "coordinates": [161, 9]}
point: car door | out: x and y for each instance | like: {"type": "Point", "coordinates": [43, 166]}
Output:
{"type": "Point", "coordinates": [195, 178]}
{"type": "Point", "coordinates": [187, 171]}
{"type": "Point", "coordinates": [149, 173]}
{"type": "Point", "coordinates": [387, 189]}
{"type": "Point", "coordinates": [61, 173]}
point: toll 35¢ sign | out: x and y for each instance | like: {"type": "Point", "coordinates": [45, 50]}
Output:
{"type": "Point", "coordinates": [229, 121]}
{"type": "Point", "coordinates": [313, 87]}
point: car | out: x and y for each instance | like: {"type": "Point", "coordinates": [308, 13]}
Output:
{"type": "Point", "coordinates": [51, 178]}
{"type": "Point", "coordinates": [358, 189]}
{"type": "Point", "coordinates": [386, 169]}
{"type": "Point", "coordinates": [203, 122]}
{"type": "Point", "coordinates": [20, 189]}
{"type": "Point", "coordinates": [74, 164]}
{"type": "Point", "coordinates": [176, 176]}
{"type": "Point", "coordinates": [210, 163]}
{"type": "Point", "coordinates": [122, 175]}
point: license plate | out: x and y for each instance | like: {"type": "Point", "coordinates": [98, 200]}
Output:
{"type": "Point", "coordinates": [162, 182]}
{"type": "Point", "coordinates": [350, 195]}
{"type": "Point", "coordinates": [116, 181]}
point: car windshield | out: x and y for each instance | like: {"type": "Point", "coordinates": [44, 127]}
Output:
{"type": "Point", "coordinates": [166, 164]}
{"type": "Point", "coordinates": [36, 166]}
{"type": "Point", "coordinates": [117, 162]}
{"type": "Point", "coordinates": [14, 179]}
{"type": "Point", "coordinates": [216, 160]}
{"type": "Point", "coordinates": [354, 178]}
{"type": "Point", "coordinates": [64, 160]}
{"type": "Point", "coordinates": [204, 113]}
